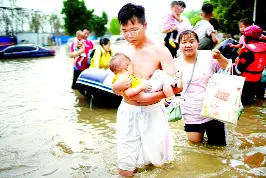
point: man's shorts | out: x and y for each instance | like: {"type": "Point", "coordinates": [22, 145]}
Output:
{"type": "Point", "coordinates": [143, 136]}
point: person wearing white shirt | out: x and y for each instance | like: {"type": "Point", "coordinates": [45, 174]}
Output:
{"type": "Point", "coordinates": [205, 30]}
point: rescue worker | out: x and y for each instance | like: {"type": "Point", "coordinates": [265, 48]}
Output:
{"type": "Point", "coordinates": [251, 62]}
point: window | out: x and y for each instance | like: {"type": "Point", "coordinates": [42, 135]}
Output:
{"type": "Point", "coordinates": [12, 50]}
{"type": "Point", "coordinates": [27, 48]}
{"type": "Point", "coordinates": [20, 49]}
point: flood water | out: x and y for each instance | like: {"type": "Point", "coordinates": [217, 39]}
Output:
{"type": "Point", "coordinates": [49, 130]}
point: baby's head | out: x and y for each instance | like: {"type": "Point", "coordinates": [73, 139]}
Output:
{"type": "Point", "coordinates": [120, 63]}
{"type": "Point", "coordinates": [79, 35]}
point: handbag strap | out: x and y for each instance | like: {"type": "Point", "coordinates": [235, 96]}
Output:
{"type": "Point", "coordinates": [191, 75]}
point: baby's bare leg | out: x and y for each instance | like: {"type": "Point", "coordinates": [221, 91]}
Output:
{"type": "Point", "coordinates": [81, 59]}
{"type": "Point", "coordinates": [168, 91]}
{"type": "Point", "coordinates": [169, 94]}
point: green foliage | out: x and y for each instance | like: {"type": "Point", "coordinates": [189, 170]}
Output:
{"type": "Point", "coordinates": [99, 24]}
{"type": "Point", "coordinates": [35, 24]}
{"type": "Point", "coordinates": [78, 17]}
{"type": "Point", "coordinates": [114, 26]}
{"type": "Point", "coordinates": [55, 23]}
{"type": "Point", "coordinates": [193, 16]}
{"type": "Point", "coordinates": [229, 12]}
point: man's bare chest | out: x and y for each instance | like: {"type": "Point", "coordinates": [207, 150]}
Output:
{"type": "Point", "coordinates": [145, 65]}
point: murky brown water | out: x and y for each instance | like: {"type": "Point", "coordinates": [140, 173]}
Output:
{"type": "Point", "coordinates": [49, 130]}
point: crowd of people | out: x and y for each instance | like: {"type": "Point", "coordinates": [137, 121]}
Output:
{"type": "Point", "coordinates": [81, 50]}
{"type": "Point", "coordinates": [145, 78]}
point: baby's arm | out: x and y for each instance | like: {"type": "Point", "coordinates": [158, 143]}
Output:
{"type": "Point", "coordinates": [235, 46]}
{"type": "Point", "coordinates": [178, 18]}
{"type": "Point", "coordinates": [130, 92]}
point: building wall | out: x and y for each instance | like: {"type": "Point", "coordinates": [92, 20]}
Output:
{"type": "Point", "coordinates": [34, 38]}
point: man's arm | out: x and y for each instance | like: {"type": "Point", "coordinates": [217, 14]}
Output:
{"type": "Point", "coordinates": [148, 97]}
{"type": "Point", "coordinates": [168, 30]}
{"type": "Point", "coordinates": [130, 92]}
{"type": "Point", "coordinates": [214, 38]}
{"type": "Point", "coordinates": [166, 60]}
{"type": "Point", "coordinates": [74, 53]}
{"type": "Point", "coordinates": [167, 65]}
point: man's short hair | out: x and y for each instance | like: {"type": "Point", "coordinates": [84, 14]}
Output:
{"type": "Point", "coordinates": [131, 12]}
{"type": "Point", "coordinates": [180, 3]}
{"type": "Point", "coordinates": [207, 8]}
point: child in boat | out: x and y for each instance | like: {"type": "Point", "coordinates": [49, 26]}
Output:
{"type": "Point", "coordinates": [79, 43]}
{"type": "Point", "coordinates": [160, 80]}
{"type": "Point", "coordinates": [243, 23]}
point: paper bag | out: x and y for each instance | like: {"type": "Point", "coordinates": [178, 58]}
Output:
{"type": "Point", "coordinates": [223, 98]}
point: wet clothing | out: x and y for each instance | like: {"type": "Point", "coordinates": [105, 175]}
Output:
{"type": "Point", "coordinates": [214, 129]}
{"type": "Point", "coordinates": [192, 103]}
{"type": "Point", "coordinates": [143, 136]}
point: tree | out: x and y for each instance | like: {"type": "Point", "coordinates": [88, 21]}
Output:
{"type": "Point", "coordinates": [35, 24]}
{"type": "Point", "coordinates": [229, 12]}
{"type": "Point", "coordinates": [55, 23]}
{"type": "Point", "coordinates": [115, 26]}
{"type": "Point", "coordinates": [193, 16]}
{"type": "Point", "coordinates": [99, 24]}
{"type": "Point", "coordinates": [22, 16]}
{"type": "Point", "coordinates": [77, 17]}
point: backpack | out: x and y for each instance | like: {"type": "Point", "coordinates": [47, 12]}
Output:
{"type": "Point", "coordinates": [91, 54]}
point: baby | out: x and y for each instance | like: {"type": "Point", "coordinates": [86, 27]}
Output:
{"type": "Point", "coordinates": [170, 24]}
{"type": "Point", "coordinates": [79, 43]}
{"type": "Point", "coordinates": [160, 80]}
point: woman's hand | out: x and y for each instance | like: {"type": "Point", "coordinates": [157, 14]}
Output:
{"type": "Point", "coordinates": [223, 61]}
{"type": "Point", "coordinates": [216, 54]}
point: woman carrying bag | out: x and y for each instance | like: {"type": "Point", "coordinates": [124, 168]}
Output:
{"type": "Point", "coordinates": [195, 70]}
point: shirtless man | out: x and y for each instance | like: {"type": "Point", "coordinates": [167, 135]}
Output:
{"type": "Point", "coordinates": [143, 135]}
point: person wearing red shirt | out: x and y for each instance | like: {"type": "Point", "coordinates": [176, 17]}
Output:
{"type": "Point", "coordinates": [80, 67]}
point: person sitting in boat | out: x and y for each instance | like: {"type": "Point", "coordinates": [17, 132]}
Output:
{"type": "Point", "coordinates": [102, 55]}
{"type": "Point", "coordinates": [160, 80]}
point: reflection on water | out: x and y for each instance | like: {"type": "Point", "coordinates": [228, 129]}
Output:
{"type": "Point", "coordinates": [46, 129]}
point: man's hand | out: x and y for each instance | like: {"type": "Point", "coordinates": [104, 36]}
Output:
{"type": "Point", "coordinates": [146, 86]}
